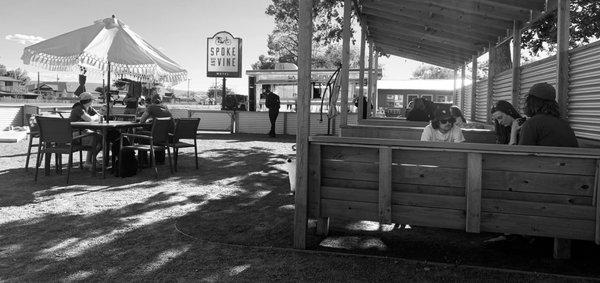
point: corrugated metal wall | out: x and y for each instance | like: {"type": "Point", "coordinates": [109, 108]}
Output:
{"type": "Point", "coordinates": [481, 101]}
{"type": "Point", "coordinates": [467, 105]}
{"type": "Point", "coordinates": [503, 86]}
{"type": "Point", "coordinates": [10, 116]}
{"type": "Point", "coordinates": [536, 72]}
{"type": "Point", "coordinates": [584, 91]}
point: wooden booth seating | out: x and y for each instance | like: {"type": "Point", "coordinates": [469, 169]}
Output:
{"type": "Point", "coordinates": [526, 190]}
{"type": "Point", "coordinates": [411, 133]}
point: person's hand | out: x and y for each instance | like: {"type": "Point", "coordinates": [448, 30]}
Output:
{"type": "Point", "coordinates": [515, 125]}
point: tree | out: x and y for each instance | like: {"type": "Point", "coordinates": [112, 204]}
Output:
{"type": "Point", "coordinates": [18, 74]}
{"type": "Point", "coordinates": [215, 93]}
{"type": "Point", "coordinates": [2, 70]}
{"type": "Point", "coordinates": [584, 15]}
{"type": "Point", "coordinates": [431, 72]}
{"type": "Point", "coordinates": [282, 42]}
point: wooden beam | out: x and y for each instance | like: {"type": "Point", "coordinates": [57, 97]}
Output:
{"type": "Point", "coordinates": [520, 4]}
{"type": "Point", "coordinates": [478, 9]}
{"type": "Point", "coordinates": [370, 83]}
{"type": "Point", "coordinates": [385, 185]}
{"type": "Point", "coordinates": [454, 94]}
{"type": "Point", "coordinates": [516, 65]}
{"type": "Point", "coordinates": [314, 183]}
{"type": "Point", "coordinates": [473, 87]}
{"type": "Point", "coordinates": [419, 44]}
{"type": "Point", "coordinates": [393, 20]}
{"type": "Point", "coordinates": [303, 122]}
{"type": "Point", "coordinates": [361, 74]}
{"type": "Point", "coordinates": [462, 88]}
{"type": "Point", "coordinates": [562, 57]}
{"type": "Point", "coordinates": [473, 192]}
{"type": "Point", "coordinates": [418, 17]}
{"type": "Point", "coordinates": [490, 83]}
{"type": "Point", "coordinates": [418, 56]}
{"type": "Point", "coordinates": [451, 58]}
{"type": "Point", "coordinates": [376, 78]}
{"type": "Point", "coordinates": [345, 72]}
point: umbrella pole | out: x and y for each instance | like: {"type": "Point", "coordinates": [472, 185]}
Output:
{"type": "Point", "coordinates": [108, 95]}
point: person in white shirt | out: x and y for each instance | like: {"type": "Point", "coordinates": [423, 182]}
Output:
{"type": "Point", "coordinates": [442, 128]}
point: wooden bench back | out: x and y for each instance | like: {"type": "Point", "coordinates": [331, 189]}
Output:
{"type": "Point", "coordinates": [538, 191]}
{"type": "Point", "coordinates": [410, 133]}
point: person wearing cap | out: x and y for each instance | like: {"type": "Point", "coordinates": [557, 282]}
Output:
{"type": "Point", "coordinates": [442, 128]}
{"type": "Point", "coordinates": [83, 111]}
{"type": "Point", "coordinates": [507, 122]}
{"type": "Point", "coordinates": [545, 127]}
{"type": "Point", "coordinates": [156, 109]}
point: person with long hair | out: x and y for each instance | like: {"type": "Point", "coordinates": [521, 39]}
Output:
{"type": "Point", "coordinates": [545, 127]}
{"type": "Point", "coordinates": [442, 128]}
{"type": "Point", "coordinates": [458, 116]}
{"type": "Point", "coordinates": [507, 122]}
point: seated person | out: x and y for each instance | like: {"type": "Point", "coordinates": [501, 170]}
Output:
{"type": "Point", "coordinates": [507, 122]}
{"type": "Point", "coordinates": [458, 116]}
{"type": "Point", "coordinates": [442, 128]}
{"type": "Point", "coordinates": [545, 127]}
{"type": "Point", "coordinates": [419, 111]}
{"type": "Point", "coordinates": [82, 111]}
{"type": "Point", "coordinates": [155, 109]}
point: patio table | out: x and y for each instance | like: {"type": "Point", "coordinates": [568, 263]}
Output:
{"type": "Point", "coordinates": [103, 129]}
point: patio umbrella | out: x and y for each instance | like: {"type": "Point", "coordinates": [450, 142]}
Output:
{"type": "Point", "coordinates": [106, 46]}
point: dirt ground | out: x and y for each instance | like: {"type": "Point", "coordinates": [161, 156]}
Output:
{"type": "Point", "coordinates": [231, 220]}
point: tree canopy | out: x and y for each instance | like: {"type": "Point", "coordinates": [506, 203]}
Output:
{"type": "Point", "coordinates": [431, 72]}
{"type": "Point", "coordinates": [17, 73]}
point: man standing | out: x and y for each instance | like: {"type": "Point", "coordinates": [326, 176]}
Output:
{"type": "Point", "coordinates": [272, 102]}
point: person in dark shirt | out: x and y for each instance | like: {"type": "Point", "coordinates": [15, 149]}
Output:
{"type": "Point", "coordinates": [545, 127]}
{"type": "Point", "coordinates": [272, 102]}
{"type": "Point", "coordinates": [83, 111]}
{"type": "Point", "coordinates": [155, 110]}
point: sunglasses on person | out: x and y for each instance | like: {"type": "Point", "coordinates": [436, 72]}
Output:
{"type": "Point", "coordinates": [444, 121]}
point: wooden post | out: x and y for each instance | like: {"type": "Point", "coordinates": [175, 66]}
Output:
{"type": "Point", "coordinates": [375, 78]}
{"type": "Point", "coordinates": [473, 193]}
{"type": "Point", "coordinates": [345, 75]}
{"type": "Point", "coordinates": [361, 76]}
{"type": "Point", "coordinates": [304, 60]}
{"type": "Point", "coordinates": [473, 87]}
{"type": "Point", "coordinates": [490, 87]}
{"type": "Point", "coordinates": [314, 182]}
{"type": "Point", "coordinates": [454, 94]}
{"type": "Point", "coordinates": [562, 56]}
{"type": "Point", "coordinates": [370, 83]}
{"type": "Point", "coordinates": [385, 185]}
{"type": "Point", "coordinates": [462, 89]}
{"type": "Point", "coordinates": [516, 65]}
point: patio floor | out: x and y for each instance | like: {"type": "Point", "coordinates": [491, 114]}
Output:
{"type": "Point", "coordinates": [229, 220]}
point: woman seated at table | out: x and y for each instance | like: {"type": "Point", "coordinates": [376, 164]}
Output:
{"type": "Point", "coordinates": [83, 111]}
{"type": "Point", "coordinates": [507, 122]}
{"type": "Point", "coordinates": [442, 128]}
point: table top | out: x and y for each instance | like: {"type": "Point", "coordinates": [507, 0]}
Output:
{"type": "Point", "coordinates": [111, 124]}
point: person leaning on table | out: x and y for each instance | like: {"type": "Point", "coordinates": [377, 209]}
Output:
{"type": "Point", "coordinates": [442, 128]}
{"type": "Point", "coordinates": [83, 111]}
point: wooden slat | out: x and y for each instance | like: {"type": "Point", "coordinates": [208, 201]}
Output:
{"type": "Point", "coordinates": [538, 197]}
{"type": "Point", "coordinates": [562, 56]}
{"type": "Point", "coordinates": [473, 192]}
{"type": "Point", "coordinates": [442, 159]}
{"type": "Point", "coordinates": [426, 189]}
{"type": "Point", "coordinates": [355, 184]}
{"type": "Point", "coordinates": [537, 226]}
{"type": "Point", "coordinates": [314, 180]}
{"type": "Point", "coordinates": [538, 209]}
{"type": "Point", "coordinates": [473, 86]}
{"type": "Point", "coordinates": [345, 71]}
{"type": "Point", "coordinates": [350, 170]}
{"type": "Point", "coordinates": [426, 175]}
{"type": "Point", "coordinates": [516, 67]}
{"type": "Point", "coordinates": [361, 72]}
{"type": "Point", "coordinates": [558, 165]}
{"type": "Point", "coordinates": [538, 182]}
{"type": "Point", "coordinates": [385, 185]}
{"type": "Point", "coordinates": [406, 199]}
{"type": "Point", "coordinates": [352, 154]}
{"type": "Point", "coordinates": [421, 216]}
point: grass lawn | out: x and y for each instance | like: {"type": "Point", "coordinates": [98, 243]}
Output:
{"type": "Point", "coordinates": [231, 220]}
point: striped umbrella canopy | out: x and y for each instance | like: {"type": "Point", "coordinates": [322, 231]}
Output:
{"type": "Point", "coordinates": [107, 46]}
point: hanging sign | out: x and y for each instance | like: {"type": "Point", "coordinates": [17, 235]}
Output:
{"type": "Point", "coordinates": [224, 56]}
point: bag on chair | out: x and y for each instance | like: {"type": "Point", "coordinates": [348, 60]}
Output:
{"type": "Point", "coordinates": [129, 164]}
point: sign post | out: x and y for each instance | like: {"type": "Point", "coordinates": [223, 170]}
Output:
{"type": "Point", "coordinates": [224, 58]}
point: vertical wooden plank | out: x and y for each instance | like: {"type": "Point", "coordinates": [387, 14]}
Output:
{"type": "Point", "coordinates": [361, 75]}
{"type": "Point", "coordinates": [562, 56]}
{"type": "Point", "coordinates": [473, 87]}
{"type": "Point", "coordinates": [562, 248]}
{"type": "Point", "coordinates": [370, 83]}
{"type": "Point", "coordinates": [385, 185]}
{"type": "Point", "coordinates": [596, 201]}
{"type": "Point", "coordinates": [490, 86]}
{"type": "Point", "coordinates": [345, 72]}
{"type": "Point", "coordinates": [314, 182]}
{"type": "Point", "coordinates": [473, 193]}
{"type": "Point", "coordinates": [516, 64]}
{"type": "Point", "coordinates": [375, 78]}
{"type": "Point", "coordinates": [304, 61]}
{"type": "Point", "coordinates": [462, 88]}
{"type": "Point", "coordinates": [454, 94]}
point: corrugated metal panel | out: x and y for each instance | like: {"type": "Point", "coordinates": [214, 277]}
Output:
{"type": "Point", "coordinates": [503, 86]}
{"type": "Point", "coordinates": [481, 101]}
{"type": "Point", "coordinates": [467, 105]}
{"type": "Point", "coordinates": [584, 91]}
{"type": "Point", "coordinates": [213, 120]}
{"type": "Point", "coordinates": [10, 116]}
{"type": "Point", "coordinates": [537, 72]}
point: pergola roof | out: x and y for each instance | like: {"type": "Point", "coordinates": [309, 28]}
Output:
{"type": "Point", "coordinates": [445, 33]}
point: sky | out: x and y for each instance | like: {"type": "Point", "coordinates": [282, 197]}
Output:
{"type": "Point", "coordinates": [179, 28]}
